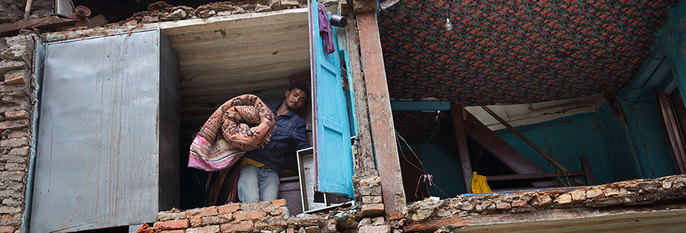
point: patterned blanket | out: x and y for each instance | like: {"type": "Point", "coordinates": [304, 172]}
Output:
{"type": "Point", "coordinates": [242, 124]}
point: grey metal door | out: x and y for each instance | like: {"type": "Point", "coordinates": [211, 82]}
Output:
{"type": "Point", "coordinates": [107, 146]}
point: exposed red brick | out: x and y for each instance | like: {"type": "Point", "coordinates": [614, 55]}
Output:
{"type": "Point", "coordinates": [14, 124]}
{"type": "Point", "coordinates": [213, 220]}
{"type": "Point", "coordinates": [15, 79]}
{"type": "Point", "coordinates": [173, 231]}
{"type": "Point", "coordinates": [248, 215]}
{"type": "Point", "coordinates": [206, 229]}
{"type": "Point", "coordinates": [170, 215]}
{"type": "Point", "coordinates": [279, 202]}
{"type": "Point", "coordinates": [13, 175]}
{"type": "Point", "coordinates": [200, 212]}
{"type": "Point", "coordinates": [17, 134]}
{"type": "Point", "coordinates": [14, 142]}
{"type": "Point", "coordinates": [519, 203]}
{"type": "Point", "coordinates": [13, 115]}
{"type": "Point", "coordinates": [172, 224]}
{"type": "Point", "coordinates": [372, 209]}
{"type": "Point", "coordinates": [11, 218]}
{"type": "Point", "coordinates": [243, 226]}
{"type": "Point", "coordinates": [6, 229]}
{"type": "Point", "coordinates": [195, 221]}
{"type": "Point", "coordinates": [15, 166]}
{"type": "Point", "coordinates": [278, 211]}
{"type": "Point", "coordinates": [229, 208]}
{"type": "Point", "coordinates": [20, 151]}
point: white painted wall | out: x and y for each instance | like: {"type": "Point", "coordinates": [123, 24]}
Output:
{"type": "Point", "coordinates": [526, 114]}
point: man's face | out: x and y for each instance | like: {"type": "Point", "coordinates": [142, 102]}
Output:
{"type": "Point", "coordinates": [295, 99]}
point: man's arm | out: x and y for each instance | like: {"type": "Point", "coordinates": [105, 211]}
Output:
{"type": "Point", "coordinates": [300, 137]}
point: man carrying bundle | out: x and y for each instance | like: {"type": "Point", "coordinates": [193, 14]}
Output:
{"type": "Point", "coordinates": [259, 169]}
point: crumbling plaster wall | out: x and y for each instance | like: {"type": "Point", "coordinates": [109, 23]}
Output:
{"type": "Point", "coordinates": [15, 126]}
{"type": "Point", "coordinates": [14, 9]}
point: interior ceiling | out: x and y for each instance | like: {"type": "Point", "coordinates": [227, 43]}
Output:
{"type": "Point", "coordinates": [516, 51]}
{"type": "Point", "coordinates": [249, 53]}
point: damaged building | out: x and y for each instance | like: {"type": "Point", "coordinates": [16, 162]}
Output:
{"type": "Point", "coordinates": [425, 116]}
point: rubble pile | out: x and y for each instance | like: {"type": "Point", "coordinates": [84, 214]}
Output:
{"type": "Point", "coordinates": [161, 11]}
{"type": "Point", "coordinates": [624, 193]}
{"type": "Point", "coordinates": [242, 217]}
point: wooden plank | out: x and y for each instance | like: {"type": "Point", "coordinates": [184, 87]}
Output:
{"type": "Point", "coordinates": [588, 173]}
{"type": "Point", "coordinates": [529, 142]}
{"type": "Point", "coordinates": [243, 57]}
{"type": "Point", "coordinates": [245, 62]}
{"type": "Point", "coordinates": [226, 74]}
{"type": "Point", "coordinates": [502, 150]}
{"type": "Point", "coordinates": [219, 90]}
{"type": "Point", "coordinates": [364, 158]}
{"type": "Point", "coordinates": [271, 40]}
{"type": "Point", "coordinates": [457, 113]}
{"type": "Point", "coordinates": [10, 28]}
{"type": "Point", "coordinates": [380, 115]}
{"type": "Point", "coordinates": [365, 6]}
{"type": "Point", "coordinates": [205, 39]}
{"type": "Point", "coordinates": [635, 219]}
{"type": "Point", "coordinates": [535, 176]}
{"type": "Point", "coordinates": [672, 130]}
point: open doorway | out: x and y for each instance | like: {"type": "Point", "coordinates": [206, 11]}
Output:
{"type": "Point", "coordinates": [218, 61]}
{"type": "Point", "coordinates": [262, 54]}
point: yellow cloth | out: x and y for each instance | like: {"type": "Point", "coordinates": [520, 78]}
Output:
{"type": "Point", "coordinates": [479, 184]}
{"type": "Point", "coordinates": [252, 162]}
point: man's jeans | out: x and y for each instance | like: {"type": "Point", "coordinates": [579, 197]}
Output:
{"type": "Point", "coordinates": [257, 184]}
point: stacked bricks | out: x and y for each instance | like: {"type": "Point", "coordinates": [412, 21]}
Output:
{"type": "Point", "coordinates": [232, 217]}
{"type": "Point", "coordinates": [624, 193]}
{"type": "Point", "coordinates": [370, 203]}
{"type": "Point", "coordinates": [265, 217]}
{"type": "Point", "coordinates": [15, 126]}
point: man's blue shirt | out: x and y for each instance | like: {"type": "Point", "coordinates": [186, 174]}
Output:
{"type": "Point", "coordinates": [288, 137]}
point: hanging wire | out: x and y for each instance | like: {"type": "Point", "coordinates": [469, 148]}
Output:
{"type": "Point", "coordinates": [425, 177]}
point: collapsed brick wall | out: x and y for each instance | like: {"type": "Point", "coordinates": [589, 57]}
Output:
{"type": "Point", "coordinates": [14, 9]}
{"type": "Point", "coordinates": [262, 217]}
{"type": "Point", "coordinates": [15, 127]}
{"type": "Point", "coordinates": [238, 217]}
{"type": "Point", "coordinates": [273, 217]}
{"type": "Point", "coordinates": [161, 11]}
{"type": "Point", "coordinates": [641, 192]}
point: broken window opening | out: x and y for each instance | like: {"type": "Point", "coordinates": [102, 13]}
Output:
{"type": "Point", "coordinates": [583, 138]}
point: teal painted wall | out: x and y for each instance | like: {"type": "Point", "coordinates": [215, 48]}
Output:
{"type": "Point", "coordinates": [618, 145]}
{"type": "Point", "coordinates": [566, 140]}
{"type": "Point", "coordinates": [616, 151]}
{"type": "Point", "coordinates": [444, 167]}
{"type": "Point", "coordinates": [647, 131]}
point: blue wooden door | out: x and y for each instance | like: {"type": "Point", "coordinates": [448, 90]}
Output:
{"type": "Point", "coordinates": [333, 151]}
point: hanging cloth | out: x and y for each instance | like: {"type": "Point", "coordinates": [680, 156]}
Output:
{"type": "Point", "coordinates": [325, 29]}
{"type": "Point", "coordinates": [479, 184]}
